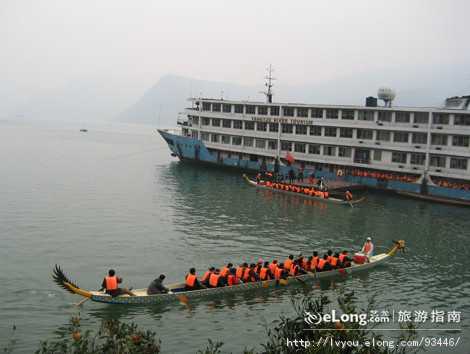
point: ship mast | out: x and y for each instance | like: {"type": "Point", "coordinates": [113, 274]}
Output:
{"type": "Point", "coordinates": [269, 84]}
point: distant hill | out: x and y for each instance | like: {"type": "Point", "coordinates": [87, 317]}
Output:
{"type": "Point", "coordinates": [161, 104]}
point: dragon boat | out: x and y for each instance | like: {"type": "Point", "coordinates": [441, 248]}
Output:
{"type": "Point", "coordinates": [178, 292]}
{"type": "Point", "coordinates": [331, 200]}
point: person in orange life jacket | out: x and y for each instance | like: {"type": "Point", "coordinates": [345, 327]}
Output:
{"type": "Point", "coordinates": [215, 280]}
{"type": "Point", "coordinates": [330, 254]}
{"type": "Point", "coordinates": [344, 259]}
{"type": "Point", "coordinates": [241, 270]}
{"type": "Point", "coordinates": [334, 261]}
{"type": "Point", "coordinates": [259, 265]}
{"type": "Point", "coordinates": [232, 278]}
{"type": "Point", "coordinates": [323, 264]}
{"type": "Point", "coordinates": [288, 262]}
{"type": "Point", "coordinates": [110, 284]}
{"type": "Point", "coordinates": [206, 276]}
{"type": "Point", "coordinates": [315, 259]}
{"type": "Point", "coordinates": [265, 272]}
{"type": "Point", "coordinates": [368, 248]}
{"type": "Point", "coordinates": [191, 281]}
{"type": "Point", "coordinates": [280, 273]}
{"type": "Point", "coordinates": [308, 264]}
{"type": "Point", "coordinates": [250, 274]}
{"type": "Point", "coordinates": [226, 270]}
{"type": "Point", "coordinates": [273, 266]}
{"type": "Point", "coordinates": [156, 286]}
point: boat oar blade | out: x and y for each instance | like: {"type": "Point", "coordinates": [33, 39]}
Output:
{"type": "Point", "coordinates": [183, 299]}
{"type": "Point", "coordinates": [283, 282]}
{"type": "Point", "coordinates": [265, 284]}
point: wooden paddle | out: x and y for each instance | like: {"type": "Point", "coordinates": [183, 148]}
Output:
{"type": "Point", "coordinates": [78, 304]}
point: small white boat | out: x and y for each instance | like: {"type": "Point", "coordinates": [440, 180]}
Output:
{"type": "Point", "coordinates": [179, 294]}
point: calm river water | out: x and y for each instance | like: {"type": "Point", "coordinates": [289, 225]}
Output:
{"type": "Point", "coordinates": [113, 197]}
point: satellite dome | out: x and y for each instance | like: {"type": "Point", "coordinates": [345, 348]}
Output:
{"type": "Point", "coordinates": [387, 95]}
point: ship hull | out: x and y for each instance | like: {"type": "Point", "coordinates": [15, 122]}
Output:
{"type": "Point", "coordinates": [193, 150]}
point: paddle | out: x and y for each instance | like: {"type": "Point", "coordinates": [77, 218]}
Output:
{"type": "Point", "coordinates": [78, 304]}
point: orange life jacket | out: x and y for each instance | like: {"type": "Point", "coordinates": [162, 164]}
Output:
{"type": "Point", "coordinates": [326, 195]}
{"type": "Point", "coordinates": [232, 280]}
{"type": "Point", "coordinates": [321, 264]}
{"type": "Point", "coordinates": [224, 272]}
{"type": "Point", "coordinates": [288, 264]}
{"type": "Point", "coordinates": [278, 273]}
{"type": "Point", "coordinates": [273, 267]}
{"type": "Point", "coordinates": [263, 274]}
{"type": "Point", "coordinates": [111, 283]}
{"type": "Point", "coordinates": [341, 257]}
{"type": "Point", "coordinates": [305, 263]}
{"type": "Point", "coordinates": [314, 263]}
{"type": "Point", "coordinates": [246, 274]}
{"type": "Point", "coordinates": [240, 272]}
{"type": "Point", "coordinates": [214, 280]}
{"type": "Point", "coordinates": [190, 280]}
{"type": "Point", "coordinates": [294, 269]}
{"type": "Point", "coordinates": [333, 261]}
{"type": "Point", "coordinates": [206, 276]}
{"type": "Point", "coordinates": [367, 247]}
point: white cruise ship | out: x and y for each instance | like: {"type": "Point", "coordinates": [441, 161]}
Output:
{"type": "Point", "coordinates": [422, 152]}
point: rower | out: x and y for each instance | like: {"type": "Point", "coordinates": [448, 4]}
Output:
{"type": "Point", "coordinates": [265, 273]}
{"type": "Point", "coordinates": [232, 278]}
{"type": "Point", "coordinates": [294, 269]}
{"type": "Point", "coordinates": [368, 248]}
{"type": "Point", "coordinates": [226, 270]}
{"type": "Point", "coordinates": [280, 273]}
{"type": "Point", "coordinates": [334, 260]}
{"type": "Point", "coordinates": [250, 274]}
{"type": "Point", "coordinates": [330, 254]}
{"type": "Point", "coordinates": [191, 281]}
{"type": "Point", "coordinates": [273, 266]}
{"type": "Point", "coordinates": [288, 262]}
{"type": "Point", "coordinates": [241, 270]}
{"type": "Point", "coordinates": [215, 280]}
{"type": "Point", "coordinates": [110, 284]}
{"type": "Point", "coordinates": [344, 259]}
{"type": "Point", "coordinates": [323, 264]}
{"type": "Point", "coordinates": [156, 286]}
{"type": "Point", "coordinates": [206, 276]}
{"type": "Point", "coordinates": [315, 259]}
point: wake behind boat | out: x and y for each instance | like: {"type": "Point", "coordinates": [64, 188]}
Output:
{"type": "Point", "coordinates": [178, 291]}
{"type": "Point", "coordinates": [305, 192]}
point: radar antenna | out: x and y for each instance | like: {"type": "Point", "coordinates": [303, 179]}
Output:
{"type": "Point", "coordinates": [269, 84]}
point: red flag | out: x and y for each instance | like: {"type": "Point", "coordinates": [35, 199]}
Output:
{"type": "Point", "coordinates": [290, 158]}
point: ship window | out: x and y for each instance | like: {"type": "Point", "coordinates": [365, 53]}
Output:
{"type": "Point", "coordinates": [248, 141]}
{"type": "Point", "coordinates": [236, 140]}
{"type": "Point", "coordinates": [385, 116]}
{"type": "Point", "coordinates": [332, 113]}
{"type": "Point", "coordinates": [460, 140]}
{"type": "Point", "coordinates": [273, 127]}
{"type": "Point", "coordinates": [440, 118]}
{"type": "Point", "coordinates": [437, 161]}
{"type": "Point", "coordinates": [383, 135]}
{"type": "Point", "coordinates": [204, 136]}
{"type": "Point", "coordinates": [421, 117]}
{"type": "Point", "coordinates": [194, 134]}
{"type": "Point", "coordinates": [225, 139]}
{"type": "Point", "coordinates": [238, 108]}
{"type": "Point", "coordinates": [226, 123]}
{"type": "Point", "coordinates": [274, 111]}
{"type": "Point", "coordinates": [301, 129]}
{"type": "Point", "coordinates": [227, 108]}
{"type": "Point", "coordinates": [347, 114]}
{"type": "Point", "coordinates": [250, 109]}
{"type": "Point", "coordinates": [195, 120]}
{"type": "Point", "coordinates": [288, 111]}
{"type": "Point", "coordinates": [366, 115]}
{"type": "Point", "coordinates": [260, 143]}
{"type": "Point", "coordinates": [262, 110]}
{"type": "Point", "coordinates": [417, 158]}
{"type": "Point", "coordinates": [330, 131]}
{"type": "Point", "coordinates": [345, 132]}
{"type": "Point", "coordinates": [402, 117]}
{"type": "Point", "coordinates": [261, 126]}
{"type": "Point", "coordinates": [287, 128]}
{"type": "Point", "coordinates": [329, 150]}
{"type": "Point", "coordinates": [215, 122]}
{"type": "Point", "coordinates": [249, 125]}
{"type": "Point", "coordinates": [317, 112]}
{"type": "Point", "coordinates": [460, 164]}
{"type": "Point", "coordinates": [400, 137]}
{"type": "Point", "coordinates": [365, 134]}
{"type": "Point", "coordinates": [462, 119]}
{"type": "Point", "coordinates": [206, 106]}
{"type": "Point", "coordinates": [206, 121]}
{"type": "Point", "coordinates": [438, 139]}
{"type": "Point", "coordinates": [215, 138]}
{"type": "Point", "coordinates": [420, 138]}
{"type": "Point", "coordinates": [315, 130]}
{"type": "Point", "coordinates": [302, 112]}
{"type": "Point", "coordinates": [286, 145]}
{"type": "Point", "coordinates": [237, 124]}
{"type": "Point", "coordinates": [299, 147]}
{"type": "Point", "coordinates": [216, 107]}
{"type": "Point", "coordinates": [314, 149]}
{"type": "Point", "coordinates": [344, 151]}
{"type": "Point", "coordinates": [377, 155]}
{"type": "Point", "coordinates": [272, 144]}
{"type": "Point", "coordinates": [399, 157]}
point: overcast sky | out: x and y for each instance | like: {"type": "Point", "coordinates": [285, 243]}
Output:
{"type": "Point", "coordinates": [47, 44]}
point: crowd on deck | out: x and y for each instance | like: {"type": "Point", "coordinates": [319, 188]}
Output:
{"type": "Point", "coordinates": [441, 182]}
{"type": "Point", "coordinates": [383, 176]}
